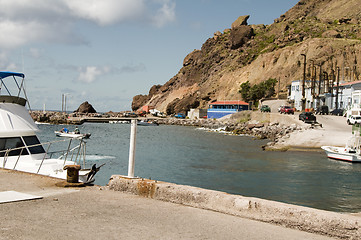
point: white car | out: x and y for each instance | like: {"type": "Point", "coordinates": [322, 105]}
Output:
{"type": "Point", "coordinates": [353, 119]}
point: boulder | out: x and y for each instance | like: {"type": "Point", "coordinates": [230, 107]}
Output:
{"type": "Point", "coordinates": [192, 58]}
{"type": "Point", "coordinates": [240, 35]}
{"type": "Point", "coordinates": [331, 34]}
{"type": "Point", "coordinates": [85, 107]}
{"type": "Point", "coordinates": [241, 21]}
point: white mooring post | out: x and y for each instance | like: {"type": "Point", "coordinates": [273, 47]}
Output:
{"type": "Point", "coordinates": [133, 136]}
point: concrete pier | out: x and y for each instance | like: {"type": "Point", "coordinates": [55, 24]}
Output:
{"type": "Point", "coordinates": [100, 213]}
{"type": "Point", "coordinates": [292, 216]}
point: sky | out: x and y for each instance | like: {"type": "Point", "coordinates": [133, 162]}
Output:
{"type": "Point", "coordinates": [107, 51]}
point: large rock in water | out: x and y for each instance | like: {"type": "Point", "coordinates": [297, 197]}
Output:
{"type": "Point", "coordinates": [85, 107]}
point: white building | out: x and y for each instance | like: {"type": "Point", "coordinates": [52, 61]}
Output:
{"type": "Point", "coordinates": [349, 96]}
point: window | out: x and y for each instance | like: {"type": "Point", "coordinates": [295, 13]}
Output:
{"type": "Point", "coordinates": [10, 143]}
{"type": "Point", "coordinates": [33, 140]}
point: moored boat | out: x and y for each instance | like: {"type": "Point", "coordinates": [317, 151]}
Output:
{"type": "Point", "coordinates": [343, 153]}
{"type": "Point", "coordinates": [351, 152]}
{"type": "Point", "coordinates": [20, 148]}
{"type": "Point", "coordinates": [147, 123]}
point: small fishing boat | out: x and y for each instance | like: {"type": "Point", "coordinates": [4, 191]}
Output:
{"type": "Point", "coordinates": [72, 134]}
{"type": "Point", "coordinates": [343, 153]}
{"type": "Point", "coordinates": [20, 148]}
{"type": "Point", "coordinates": [147, 123]}
{"type": "Point", "coordinates": [351, 152]}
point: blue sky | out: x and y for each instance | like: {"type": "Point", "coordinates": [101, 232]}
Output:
{"type": "Point", "coordinates": [107, 51]}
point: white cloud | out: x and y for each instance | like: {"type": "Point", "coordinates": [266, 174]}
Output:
{"type": "Point", "coordinates": [89, 74]}
{"type": "Point", "coordinates": [165, 14]}
{"type": "Point", "coordinates": [105, 12]}
{"type": "Point", "coordinates": [24, 21]}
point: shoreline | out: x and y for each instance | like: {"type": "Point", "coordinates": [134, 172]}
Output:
{"type": "Point", "coordinates": [285, 132]}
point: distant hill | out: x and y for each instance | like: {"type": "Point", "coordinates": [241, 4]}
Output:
{"type": "Point", "coordinates": [328, 32]}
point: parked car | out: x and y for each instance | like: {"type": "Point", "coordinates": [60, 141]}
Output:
{"type": "Point", "coordinates": [307, 117]}
{"type": "Point", "coordinates": [279, 109]}
{"type": "Point", "coordinates": [287, 109]}
{"type": "Point", "coordinates": [353, 119]}
{"type": "Point", "coordinates": [131, 114]}
{"type": "Point", "coordinates": [322, 110]}
{"type": "Point", "coordinates": [265, 108]}
{"type": "Point", "coordinates": [337, 112]}
{"type": "Point", "coordinates": [180, 115]}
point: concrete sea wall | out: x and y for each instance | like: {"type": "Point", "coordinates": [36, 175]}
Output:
{"type": "Point", "coordinates": [333, 224]}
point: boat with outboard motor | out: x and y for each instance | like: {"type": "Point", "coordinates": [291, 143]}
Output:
{"type": "Point", "coordinates": [351, 152]}
{"type": "Point", "coordinates": [20, 148]}
{"type": "Point", "coordinates": [72, 134]}
{"type": "Point", "coordinates": [147, 123]}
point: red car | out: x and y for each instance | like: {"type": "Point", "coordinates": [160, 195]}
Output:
{"type": "Point", "coordinates": [287, 109]}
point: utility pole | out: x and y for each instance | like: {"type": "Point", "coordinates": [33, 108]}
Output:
{"type": "Point", "coordinates": [327, 82]}
{"type": "Point", "coordinates": [337, 85]}
{"type": "Point", "coordinates": [62, 102]}
{"type": "Point", "coordinates": [320, 80]}
{"type": "Point", "coordinates": [332, 85]}
{"type": "Point", "coordinates": [303, 83]}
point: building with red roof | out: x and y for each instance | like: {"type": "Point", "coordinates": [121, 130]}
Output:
{"type": "Point", "coordinates": [220, 109]}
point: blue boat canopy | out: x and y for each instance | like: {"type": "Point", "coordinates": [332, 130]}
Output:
{"type": "Point", "coordinates": [7, 74]}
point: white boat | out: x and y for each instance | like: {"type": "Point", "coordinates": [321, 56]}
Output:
{"type": "Point", "coordinates": [147, 123]}
{"type": "Point", "coordinates": [350, 153]}
{"type": "Point", "coordinates": [72, 134]}
{"type": "Point", "coordinates": [20, 148]}
{"type": "Point", "coordinates": [118, 121]}
{"type": "Point", "coordinates": [342, 153]}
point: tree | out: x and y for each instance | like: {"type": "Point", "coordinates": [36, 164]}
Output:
{"type": "Point", "coordinates": [245, 91]}
{"type": "Point", "coordinates": [258, 91]}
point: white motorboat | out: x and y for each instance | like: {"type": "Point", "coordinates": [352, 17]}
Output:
{"type": "Point", "coordinates": [118, 121]}
{"type": "Point", "coordinates": [350, 153]}
{"type": "Point", "coordinates": [147, 123]}
{"type": "Point", "coordinates": [72, 134]}
{"type": "Point", "coordinates": [20, 148]}
{"type": "Point", "coordinates": [342, 153]}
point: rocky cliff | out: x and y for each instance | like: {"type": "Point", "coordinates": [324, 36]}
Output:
{"type": "Point", "coordinates": [327, 32]}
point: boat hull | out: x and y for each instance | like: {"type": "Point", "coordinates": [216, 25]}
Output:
{"type": "Point", "coordinates": [342, 154]}
{"type": "Point", "coordinates": [72, 135]}
{"type": "Point", "coordinates": [47, 167]}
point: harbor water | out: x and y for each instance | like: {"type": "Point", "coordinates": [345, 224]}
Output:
{"type": "Point", "coordinates": [232, 164]}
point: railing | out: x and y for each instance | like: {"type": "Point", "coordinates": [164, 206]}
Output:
{"type": "Point", "coordinates": [77, 153]}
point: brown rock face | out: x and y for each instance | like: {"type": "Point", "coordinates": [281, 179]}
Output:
{"type": "Point", "coordinates": [139, 101]}
{"type": "Point", "coordinates": [85, 107]}
{"type": "Point", "coordinates": [240, 35]}
{"type": "Point", "coordinates": [327, 31]}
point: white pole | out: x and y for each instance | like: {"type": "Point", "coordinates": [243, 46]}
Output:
{"type": "Point", "coordinates": [133, 136]}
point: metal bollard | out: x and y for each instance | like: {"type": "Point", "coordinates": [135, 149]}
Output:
{"type": "Point", "coordinates": [72, 173]}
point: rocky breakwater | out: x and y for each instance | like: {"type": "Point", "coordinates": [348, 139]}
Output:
{"type": "Point", "coordinates": [49, 117]}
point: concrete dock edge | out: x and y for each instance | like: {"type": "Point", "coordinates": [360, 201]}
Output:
{"type": "Point", "coordinates": [333, 224]}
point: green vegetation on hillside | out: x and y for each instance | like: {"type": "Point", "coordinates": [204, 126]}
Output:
{"type": "Point", "coordinates": [258, 91]}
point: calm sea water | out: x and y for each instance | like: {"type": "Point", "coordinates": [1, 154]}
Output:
{"type": "Point", "coordinates": [233, 164]}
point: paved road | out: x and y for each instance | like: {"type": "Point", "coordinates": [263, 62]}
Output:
{"type": "Point", "coordinates": [90, 213]}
